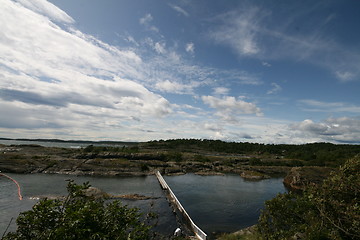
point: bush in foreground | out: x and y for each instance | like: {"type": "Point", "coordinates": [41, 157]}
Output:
{"type": "Point", "coordinates": [326, 211]}
{"type": "Point", "coordinates": [79, 216]}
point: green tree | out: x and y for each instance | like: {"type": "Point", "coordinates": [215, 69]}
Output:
{"type": "Point", "coordinates": [327, 211]}
{"type": "Point", "coordinates": [80, 216]}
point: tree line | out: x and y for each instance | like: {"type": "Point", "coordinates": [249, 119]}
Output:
{"type": "Point", "coordinates": [316, 154]}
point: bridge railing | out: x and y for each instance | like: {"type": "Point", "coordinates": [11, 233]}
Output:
{"type": "Point", "coordinates": [200, 234]}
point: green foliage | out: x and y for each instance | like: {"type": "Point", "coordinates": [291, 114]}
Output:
{"type": "Point", "coordinates": [338, 200]}
{"type": "Point", "coordinates": [313, 154]}
{"type": "Point", "coordinates": [98, 149]}
{"type": "Point", "coordinates": [327, 211]}
{"type": "Point", "coordinates": [201, 158]}
{"type": "Point", "coordinates": [79, 216]}
{"type": "Point", "coordinates": [144, 167]}
{"type": "Point", "coordinates": [288, 163]}
{"type": "Point", "coordinates": [174, 156]}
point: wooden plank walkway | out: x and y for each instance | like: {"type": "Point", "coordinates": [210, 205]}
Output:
{"type": "Point", "coordinates": [172, 198]}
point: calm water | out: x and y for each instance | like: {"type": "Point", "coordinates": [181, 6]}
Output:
{"type": "Point", "coordinates": [215, 203]}
{"type": "Point", "coordinates": [223, 203]}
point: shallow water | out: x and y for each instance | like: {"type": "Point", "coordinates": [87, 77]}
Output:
{"type": "Point", "coordinates": [215, 203]}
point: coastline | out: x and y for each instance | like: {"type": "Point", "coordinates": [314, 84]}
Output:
{"type": "Point", "coordinates": [143, 161]}
{"type": "Point", "coordinates": [53, 160]}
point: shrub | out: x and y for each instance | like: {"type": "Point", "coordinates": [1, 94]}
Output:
{"type": "Point", "coordinates": [79, 216]}
{"type": "Point", "coordinates": [326, 211]}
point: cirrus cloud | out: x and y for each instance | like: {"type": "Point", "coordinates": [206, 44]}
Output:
{"type": "Point", "coordinates": [239, 30]}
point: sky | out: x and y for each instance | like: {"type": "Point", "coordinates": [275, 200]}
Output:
{"type": "Point", "coordinates": [138, 70]}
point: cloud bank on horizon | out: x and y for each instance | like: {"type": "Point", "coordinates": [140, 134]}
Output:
{"type": "Point", "coordinates": [236, 71]}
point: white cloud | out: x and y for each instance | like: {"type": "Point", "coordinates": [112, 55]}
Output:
{"type": "Point", "coordinates": [169, 71]}
{"type": "Point", "coordinates": [48, 9]}
{"type": "Point", "coordinates": [221, 91]}
{"type": "Point", "coordinates": [332, 107]}
{"type": "Point", "coordinates": [173, 87]}
{"type": "Point", "coordinates": [190, 48]}
{"type": "Point", "coordinates": [276, 88]}
{"type": "Point", "coordinates": [179, 10]}
{"type": "Point", "coordinates": [266, 64]}
{"type": "Point", "coordinates": [243, 77]}
{"type": "Point", "coordinates": [160, 47]}
{"type": "Point", "coordinates": [56, 77]}
{"type": "Point", "coordinates": [213, 127]}
{"type": "Point", "coordinates": [251, 32]}
{"type": "Point", "coordinates": [228, 108]}
{"type": "Point", "coordinates": [338, 130]}
{"type": "Point", "coordinates": [130, 39]}
{"type": "Point", "coordinates": [35, 46]}
{"type": "Point", "coordinates": [239, 30]}
{"type": "Point", "coordinates": [345, 76]}
{"type": "Point", "coordinates": [58, 81]}
{"type": "Point", "coordinates": [146, 21]}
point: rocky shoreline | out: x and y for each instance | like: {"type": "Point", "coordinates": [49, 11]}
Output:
{"type": "Point", "coordinates": [98, 193]}
{"type": "Point", "coordinates": [52, 160]}
{"type": "Point", "coordinates": [37, 159]}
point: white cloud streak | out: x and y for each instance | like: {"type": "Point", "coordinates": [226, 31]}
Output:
{"type": "Point", "coordinates": [276, 88]}
{"type": "Point", "coordinates": [331, 107]}
{"type": "Point", "coordinates": [146, 21]}
{"type": "Point", "coordinates": [179, 10]}
{"type": "Point", "coordinates": [46, 8]}
{"type": "Point", "coordinates": [174, 87]}
{"type": "Point", "coordinates": [221, 91]}
{"type": "Point", "coordinates": [239, 30]}
{"type": "Point", "coordinates": [250, 31]}
{"type": "Point", "coordinates": [190, 48]}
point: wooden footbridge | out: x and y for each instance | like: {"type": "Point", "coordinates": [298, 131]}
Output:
{"type": "Point", "coordinates": [173, 199]}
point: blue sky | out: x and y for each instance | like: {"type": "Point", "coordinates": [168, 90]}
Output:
{"type": "Point", "coordinates": [255, 71]}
